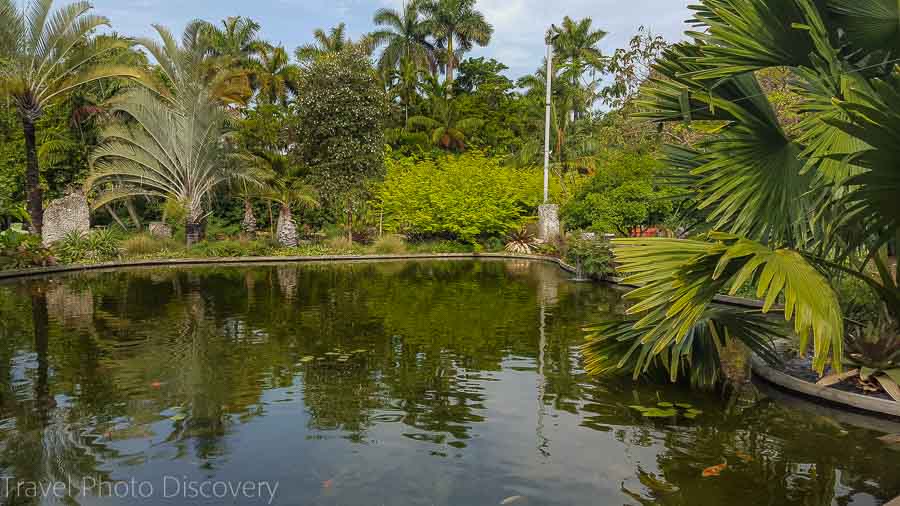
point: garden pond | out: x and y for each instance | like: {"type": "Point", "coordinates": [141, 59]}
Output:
{"type": "Point", "coordinates": [396, 383]}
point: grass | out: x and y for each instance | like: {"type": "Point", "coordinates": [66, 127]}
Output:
{"type": "Point", "coordinates": [144, 246]}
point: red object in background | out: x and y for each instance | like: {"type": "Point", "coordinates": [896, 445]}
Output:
{"type": "Point", "coordinates": [649, 232]}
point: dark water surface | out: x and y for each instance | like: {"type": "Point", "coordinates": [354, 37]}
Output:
{"type": "Point", "coordinates": [397, 383]}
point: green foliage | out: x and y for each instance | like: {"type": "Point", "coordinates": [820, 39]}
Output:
{"type": "Point", "coordinates": [231, 248]}
{"type": "Point", "coordinates": [100, 245]}
{"type": "Point", "coordinates": [19, 250]}
{"type": "Point", "coordinates": [390, 245]}
{"type": "Point", "coordinates": [594, 256]}
{"type": "Point", "coordinates": [625, 194]}
{"type": "Point", "coordinates": [144, 245]}
{"type": "Point", "coordinates": [464, 197]}
{"type": "Point", "coordinates": [340, 112]}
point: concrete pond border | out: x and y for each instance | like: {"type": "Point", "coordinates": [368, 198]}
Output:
{"type": "Point", "coordinates": [764, 371]}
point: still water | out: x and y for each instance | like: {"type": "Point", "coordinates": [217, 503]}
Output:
{"type": "Point", "coordinates": [395, 383]}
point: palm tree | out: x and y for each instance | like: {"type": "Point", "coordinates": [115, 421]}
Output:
{"type": "Point", "coordinates": [169, 148]}
{"type": "Point", "coordinates": [236, 40]}
{"type": "Point", "coordinates": [44, 55]}
{"type": "Point", "coordinates": [290, 194]}
{"type": "Point", "coordinates": [791, 214]}
{"type": "Point", "coordinates": [334, 41]}
{"type": "Point", "coordinates": [576, 52]}
{"type": "Point", "coordinates": [403, 84]}
{"type": "Point", "coordinates": [456, 26]}
{"type": "Point", "coordinates": [275, 77]}
{"type": "Point", "coordinates": [448, 131]}
{"type": "Point", "coordinates": [405, 39]}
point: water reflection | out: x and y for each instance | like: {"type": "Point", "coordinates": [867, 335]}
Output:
{"type": "Point", "coordinates": [439, 383]}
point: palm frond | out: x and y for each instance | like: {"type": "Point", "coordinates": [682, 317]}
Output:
{"type": "Point", "coordinates": [679, 280]}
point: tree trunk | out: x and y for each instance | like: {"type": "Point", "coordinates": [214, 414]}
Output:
{"type": "Point", "coordinates": [349, 224]}
{"type": "Point", "coordinates": [35, 195]}
{"type": "Point", "coordinates": [192, 232]}
{"type": "Point", "coordinates": [450, 56]}
{"type": "Point", "coordinates": [248, 226]}
{"type": "Point", "coordinates": [112, 212]}
{"type": "Point", "coordinates": [287, 229]}
{"type": "Point", "coordinates": [133, 213]}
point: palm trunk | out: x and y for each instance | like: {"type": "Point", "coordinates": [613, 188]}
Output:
{"type": "Point", "coordinates": [349, 224]}
{"type": "Point", "coordinates": [35, 195]}
{"type": "Point", "coordinates": [132, 212]}
{"type": "Point", "coordinates": [112, 212]}
{"type": "Point", "coordinates": [192, 232]}
{"type": "Point", "coordinates": [287, 228]}
{"type": "Point", "coordinates": [450, 63]}
{"type": "Point", "coordinates": [248, 225]}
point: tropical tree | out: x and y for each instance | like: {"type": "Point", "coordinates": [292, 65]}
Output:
{"type": "Point", "coordinates": [170, 148]}
{"type": "Point", "coordinates": [340, 115]}
{"type": "Point", "coordinates": [576, 54]}
{"type": "Point", "coordinates": [44, 55]}
{"type": "Point", "coordinates": [456, 27]}
{"type": "Point", "coordinates": [333, 41]}
{"type": "Point", "coordinates": [237, 39]}
{"type": "Point", "coordinates": [290, 194]}
{"type": "Point", "coordinates": [791, 214]}
{"type": "Point", "coordinates": [446, 128]}
{"type": "Point", "coordinates": [274, 75]}
{"type": "Point", "coordinates": [404, 37]}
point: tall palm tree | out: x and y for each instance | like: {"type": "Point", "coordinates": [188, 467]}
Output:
{"type": "Point", "coordinates": [405, 37]}
{"type": "Point", "coordinates": [44, 55]}
{"type": "Point", "coordinates": [791, 214]}
{"type": "Point", "coordinates": [168, 148]}
{"type": "Point", "coordinates": [448, 131]}
{"type": "Point", "coordinates": [274, 75]}
{"type": "Point", "coordinates": [576, 53]}
{"type": "Point", "coordinates": [456, 26]}
{"type": "Point", "coordinates": [333, 41]}
{"type": "Point", "coordinates": [237, 39]}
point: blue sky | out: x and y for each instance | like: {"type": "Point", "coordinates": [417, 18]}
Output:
{"type": "Point", "coordinates": [519, 24]}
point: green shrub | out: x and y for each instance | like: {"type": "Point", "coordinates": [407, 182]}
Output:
{"type": "Point", "coordinates": [231, 249]}
{"type": "Point", "coordinates": [463, 197]}
{"type": "Point", "coordinates": [142, 245]}
{"type": "Point", "coordinates": [96, 246]}
{"type": "Point", "coordinates": [20, 250]}
{"type": "Point", "coordinates": [441, 247]}
{"type": "Point", "coordinates": [859, 302]}
{"type": "Point", "coordinates": [595, 257]}
{"type": "Point", "coordinates": [390, 245]}
{"type": "Point", "coordinates": [624, 194]}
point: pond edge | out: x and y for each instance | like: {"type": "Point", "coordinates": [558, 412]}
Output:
{"type": "Point", "coordinates": [773, 376]}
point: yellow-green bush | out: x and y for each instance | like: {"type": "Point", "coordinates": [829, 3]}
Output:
{"type": "Point", "coordinates": [146, 244]}
{"type": "Point", "coordinates": [463, 197]}
{"type": "Point", "coordinates": [390, 245]}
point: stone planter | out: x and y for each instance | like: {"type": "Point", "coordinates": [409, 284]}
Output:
{"type": "Point", "coordinates": [64, 216]}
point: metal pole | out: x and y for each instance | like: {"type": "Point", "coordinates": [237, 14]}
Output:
{"type": "Point", "coordinates": [547, 121]}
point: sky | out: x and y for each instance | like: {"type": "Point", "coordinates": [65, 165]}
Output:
{"type": "Point", "coordinates": [519, 25]}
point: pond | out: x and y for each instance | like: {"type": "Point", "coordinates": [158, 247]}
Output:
{"type": "Point", "coordinates": [384, 383]}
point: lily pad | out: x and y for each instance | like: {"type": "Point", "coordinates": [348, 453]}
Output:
{"type": "Point", "coordinates": [178, 417]}
{"type": "Point", "coordinates": [659, 413]}
{"type": "Point", "coordinates": [684, 405]}
{"type": "Point", "coordinates": [307, 359]}
{"type": "Point", "coordinates": [666, 405]}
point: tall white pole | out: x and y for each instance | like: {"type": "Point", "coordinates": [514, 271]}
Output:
{"type": "Point", "coordinates": [547, 121]}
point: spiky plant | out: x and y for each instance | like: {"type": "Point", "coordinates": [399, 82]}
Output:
{"type": "Point", "coordinates": [790, 210]}
{"type": "Point", "coordinates": [44, 55]}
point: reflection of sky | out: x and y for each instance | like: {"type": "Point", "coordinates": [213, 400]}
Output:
{"type": "Point", "coordinates": [519, 24]}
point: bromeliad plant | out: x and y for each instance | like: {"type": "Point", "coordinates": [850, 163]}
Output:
{"type": "Point", "coordinates": [789, 212]}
